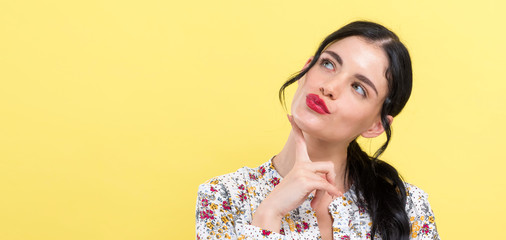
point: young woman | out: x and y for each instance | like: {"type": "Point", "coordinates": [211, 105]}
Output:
{"type": "Point", "coordinates": [322, 185]}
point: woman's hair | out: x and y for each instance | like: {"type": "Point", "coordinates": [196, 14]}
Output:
{"type": "Point", "coordinates": [379, 187]}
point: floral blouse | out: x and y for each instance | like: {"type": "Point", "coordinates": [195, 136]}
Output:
{"type": "Point", "coordinates": [226, 204]}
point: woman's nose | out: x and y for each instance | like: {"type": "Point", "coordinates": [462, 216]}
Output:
{"type": "Point", "coordinates": [331, 89]}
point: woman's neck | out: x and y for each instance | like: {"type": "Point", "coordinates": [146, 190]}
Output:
{"type": "Point", "coordinates": [318, 150]}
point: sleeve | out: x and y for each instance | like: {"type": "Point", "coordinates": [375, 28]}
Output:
{"type": "Point", "coordinates": [421, 217]}
{"type": "Point", "coordinates": [217, 216]}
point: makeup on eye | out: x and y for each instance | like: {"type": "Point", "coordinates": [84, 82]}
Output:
{"type": "Point", "coordinates": [327, 63]}
{"type": "Point", "coordinates": [338, 58]}
{"type": "Point", "coordinates": [360, 89]}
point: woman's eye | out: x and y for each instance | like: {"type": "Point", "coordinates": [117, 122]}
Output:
{"type": "Point", "coordinates": [327, 64]}
{"type": "Point", "coordinates": [359, 89]}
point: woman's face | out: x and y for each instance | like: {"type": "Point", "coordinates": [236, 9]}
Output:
{"type": "Point", "coordinates": [349, 79]}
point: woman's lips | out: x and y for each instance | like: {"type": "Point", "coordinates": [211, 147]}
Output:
{"type": "Point", "coordinates": [317, 104]}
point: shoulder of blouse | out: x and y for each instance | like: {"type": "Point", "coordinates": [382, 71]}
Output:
{"type": "Point", "coordinates": [413, 191]}
{"type": "Point", "coordinates": [232, 186]}
{"type": "Point", "coordinates": [243, 176]}
{"type": "Point", "coordinates": [416, 199]}
{"type": "Point", "coordinates": [233, 179]}
{"type": "Point", "coordinates": [420, 214]}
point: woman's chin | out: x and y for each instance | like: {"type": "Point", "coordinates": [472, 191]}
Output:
{"type": "Point", "coordinates": [308, 122]}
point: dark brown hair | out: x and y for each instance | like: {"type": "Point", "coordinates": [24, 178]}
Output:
{"type": "Point", "coordinates": [378, 185]}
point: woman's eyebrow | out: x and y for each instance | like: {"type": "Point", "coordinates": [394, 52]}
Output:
{"type": "Point", "coordinates": [335, 56]}
{"type": "Point", "coordinates": [366, 80]}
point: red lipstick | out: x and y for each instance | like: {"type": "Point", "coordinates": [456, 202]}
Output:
{"type": "Point", "coordinates": [317, 104]}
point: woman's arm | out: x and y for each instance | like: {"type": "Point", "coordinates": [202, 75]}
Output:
{"type": "Point", "coordinates": [219, 216]}
{"type": "Point", "coordinates": [220, 212]}
{"type": "Point", "coordinates": [214, 217]}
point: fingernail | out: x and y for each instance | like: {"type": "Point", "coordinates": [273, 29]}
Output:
{"type": "Point", "coordinates": [290, 117]}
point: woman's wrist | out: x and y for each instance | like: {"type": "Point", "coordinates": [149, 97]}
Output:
{"type": "Point", "coordinates": [267, 219]}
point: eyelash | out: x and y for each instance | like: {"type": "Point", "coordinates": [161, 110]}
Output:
{"type": "Point", "coordinates": [326, 60]}
{"type": "Point", "coordinates": [363, 88]}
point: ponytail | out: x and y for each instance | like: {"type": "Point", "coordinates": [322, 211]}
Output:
{"type": "Point", "coordinates": [381, 192]}
{"type": "Point", "coordinates": [379, 187]}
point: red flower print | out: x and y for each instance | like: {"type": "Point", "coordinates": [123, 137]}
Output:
{"type": "Point", "coordinates": [242, 187]}
{"type": "Point", "coordinates": [252, 176]}
{"type": "Point", "coordinates": [266, 232]}
{"type": "Point", "coordinates": [226, 205]}
{"type": "Point", "coordinates": [208, 214]}
{"type": "Point", "coordinates": [282, 231]}
{"type": "Point", "coordinates": [305, 225]}
{"type": "Point", "coordinates": [262, 170]}
{"type": "Point", "coordinates": [243, 197]}
{"type": "Point", "coordinates": [297, 226]}
{"type": "Point", "coordinates": [213, 190]}
{"type": "Point", "coordinates": [275, 181]}
{"type": "Point", "coordinates": [361, 209]}
{"type": "Point", "coordinates": [345, 237]}
{"type": "Point", "coordinates": [425, 229]}
{"type": "Point", "coordinates": [205, 202]}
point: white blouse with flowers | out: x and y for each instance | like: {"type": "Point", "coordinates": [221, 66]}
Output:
{"type": "Point", "coordinates": [225, 206]}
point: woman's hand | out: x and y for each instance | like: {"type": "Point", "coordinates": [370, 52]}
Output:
{"type": "Point", "coordinates": [305, 177]}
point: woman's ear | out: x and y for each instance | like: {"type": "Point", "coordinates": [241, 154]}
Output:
{"type": "Point", "coordinates": [377, 128]}
{"type": "Point", "coordinates": [307, 63]}
{"type": "Point", "coordinates": [305, 66]}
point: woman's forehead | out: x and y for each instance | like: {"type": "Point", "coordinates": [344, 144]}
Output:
{"type": "Point", "coordinates": [361, 51]}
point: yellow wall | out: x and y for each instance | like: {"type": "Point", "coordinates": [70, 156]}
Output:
{"type": "Point", "coordinates": [112, 112]}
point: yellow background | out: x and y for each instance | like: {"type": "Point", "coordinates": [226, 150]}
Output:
{"type": "Point", "coordinates": [113, 112]}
